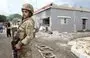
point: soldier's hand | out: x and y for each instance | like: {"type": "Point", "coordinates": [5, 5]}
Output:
{"type": "Point", "coordinates": [18, 47]}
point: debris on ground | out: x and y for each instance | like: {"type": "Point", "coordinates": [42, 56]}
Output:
{"type": "Point", "coordinates": [81, 47]}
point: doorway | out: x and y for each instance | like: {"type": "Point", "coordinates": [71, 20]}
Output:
{"type": "Point", "coordinates": [84, 22]}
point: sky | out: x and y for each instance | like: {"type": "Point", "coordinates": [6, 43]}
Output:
{"type": "Point", "coordinates": [14, 6]}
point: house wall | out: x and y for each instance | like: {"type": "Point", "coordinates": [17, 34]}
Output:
{"type": "Point", "coordinates": [73, 24]}
{"type": "Point", "coordinates": [56, 21]}
{"type": "Point", "coordinates": [40, 16]}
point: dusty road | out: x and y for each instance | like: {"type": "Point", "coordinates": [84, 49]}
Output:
{"type": "Point", "coordinates": [5, 48]}
{"type": "Point", "coordinates": [60, 49]}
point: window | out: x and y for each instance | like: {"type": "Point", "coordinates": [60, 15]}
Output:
{"type": "Point", "coordinates": [64, 21]}
{"type": "Point", "coordinates": [46, 21]}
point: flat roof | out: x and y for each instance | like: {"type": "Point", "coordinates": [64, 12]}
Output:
{"type": "Point", "coordinates": [52, 5]}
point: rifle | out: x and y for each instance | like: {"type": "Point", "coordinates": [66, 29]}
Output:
{"type": "Point", "coordinates": [15, 40]}
{"type": "Point", "coordinates": [15, 51]}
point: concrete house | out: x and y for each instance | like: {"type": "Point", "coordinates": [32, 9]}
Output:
{"type": "Point", "coordinates": [63, 18]}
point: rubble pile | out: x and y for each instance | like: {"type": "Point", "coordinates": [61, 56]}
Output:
{"type": "Point", "coordinates": [64, 36]}
{"type": "Point", "coordinates": [55, 36]}
{"type": "Point", "coordinates": [80, 34]}
{"type": "Point", "coordinates": [81, 47]}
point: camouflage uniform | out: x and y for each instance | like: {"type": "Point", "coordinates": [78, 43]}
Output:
{"type": "Point", "coordinates": [26, 34]}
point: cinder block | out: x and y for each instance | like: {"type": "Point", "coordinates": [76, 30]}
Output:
{"type": "Point", "coordinates": [47, 53]}
{"type": "Point", "coordinates": [43, 47]}
{"type": "Point", "coordinates": [53, 56]}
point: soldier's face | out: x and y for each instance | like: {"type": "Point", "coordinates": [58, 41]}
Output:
{"type": "Point", "coordinates": [25, 13]}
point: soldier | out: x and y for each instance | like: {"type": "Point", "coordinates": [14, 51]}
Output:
{"type": "Point", "coordinates": [25, 33]}
{"type": "Point", "coordinates": [8, 29]}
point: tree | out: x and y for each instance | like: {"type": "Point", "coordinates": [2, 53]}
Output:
{"type": "Point", "coordinates": [11, 17]}
{"type": "Point", "coordinates": [3, 18]}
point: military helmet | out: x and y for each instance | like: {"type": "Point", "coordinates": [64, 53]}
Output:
{"type": "Point", "coordinates": [28, 6]}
